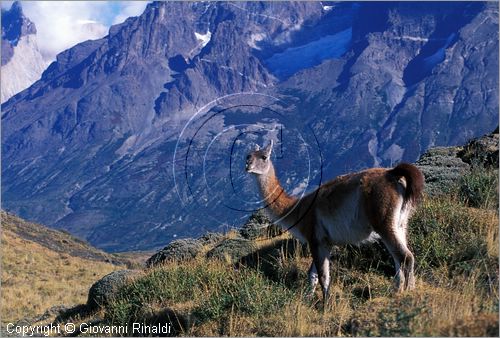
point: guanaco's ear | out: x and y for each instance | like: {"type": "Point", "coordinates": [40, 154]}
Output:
{"type": "Point", "coordinates": [269, 148]}
{"type": "Point", "coordinates": [256, 147]}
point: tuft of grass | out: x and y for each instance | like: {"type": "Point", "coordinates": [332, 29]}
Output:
{"type": "Point", "coordinates": [211, 288]}
{"type": "Point", "coordinates": [454, 243]}
{"type": "Point", "coordinates": [444, 232]}
{"type": "Point", "coordinates": [427, 311]}
{"type": "Point", "coordinates": [479, 188]}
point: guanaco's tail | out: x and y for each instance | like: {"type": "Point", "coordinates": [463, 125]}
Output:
{"type": "Point", "coordinates": [414, 181]}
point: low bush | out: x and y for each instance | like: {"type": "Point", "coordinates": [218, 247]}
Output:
{"type": "Point", "coordinates": [479, 188]}
{"type": "Point", "coordinates": [211, 288]}
{"type": "Point", "coordinates": [178, 250]}
{"type": "Point", "coordinates": [446, 235]}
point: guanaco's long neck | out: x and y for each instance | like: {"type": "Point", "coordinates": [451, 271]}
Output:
{"type": "Point", "coordinates": [277, 200]}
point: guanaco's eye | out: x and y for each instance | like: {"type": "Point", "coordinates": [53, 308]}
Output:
{"type": "Point", "coordinates": [248, 157]}
{"type": "Point", "coordinates": [264, 158]}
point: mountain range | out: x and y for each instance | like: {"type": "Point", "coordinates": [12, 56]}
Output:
{"type": "Point", "coordinates": [140, 137]}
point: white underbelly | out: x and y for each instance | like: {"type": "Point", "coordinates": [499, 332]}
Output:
{"type": "Point", "coordinates": [346, 225]}
{"type": "Point", "coordinates": [342, 231]}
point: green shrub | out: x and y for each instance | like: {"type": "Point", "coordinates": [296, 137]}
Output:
{"type": "Point", "coordinates": [215, 289]}
{"type": "Point", "coordinates": [232, 249]}
{"type": "Point", "coordinates": [479, 188]}
{"type": "Point", "coordinates": [259, 225]}
{"type": "Point", "coordinates": [250, 293]}
{"type": "Point", "coordinates": [444, 233]}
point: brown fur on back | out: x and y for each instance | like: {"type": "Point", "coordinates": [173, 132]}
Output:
{"type": "Point", "coordinates": [380, 187]}
{"type": "Point", "coordinates": [380, 195]}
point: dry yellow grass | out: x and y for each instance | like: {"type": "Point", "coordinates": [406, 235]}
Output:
{"type": "Point", "coordinates": [35, 278]}
{"type": "Point", "coordinates": [426, 311]}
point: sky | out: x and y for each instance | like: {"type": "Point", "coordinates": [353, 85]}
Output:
{"type": "Point", "coordinates": [62, 24]}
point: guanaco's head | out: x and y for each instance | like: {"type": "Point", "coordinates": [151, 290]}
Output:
{"type": "Point", "coordinates": [259, 160]}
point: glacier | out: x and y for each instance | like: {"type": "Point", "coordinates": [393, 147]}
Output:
{"type": "Point", "coordinates": [292, 60]}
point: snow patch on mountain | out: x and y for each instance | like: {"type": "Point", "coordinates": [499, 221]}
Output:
{"type": "Point", "coordinates": [125, 147]}
{"type": "Point", "coordinates": [396, 91]}
{"type": "Point", "coordinates": [255, 38]}
{"type": "Point", "coordinates": [299, 189]}
{"type": "Point", "coordinates": [394, 154]}
{"type": "Point", "coordinates": [373, 148]}
{"type": "Point", "coordinates": [411, 38]}
{"type": "Point", "coordinates": [204, 38]}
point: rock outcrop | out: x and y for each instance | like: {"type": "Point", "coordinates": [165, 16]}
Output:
{"type": "Point", "coordinates": [232, 250]}
{"type": "Point", "coordinates": [481, 151]}
{"type": "Point", "coordinates": [259, 225]}
{"type": "Point", "coordinates": [444, 166]}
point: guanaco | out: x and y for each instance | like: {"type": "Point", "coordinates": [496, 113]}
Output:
{"type": "Point", "coordinates": [371, 204]}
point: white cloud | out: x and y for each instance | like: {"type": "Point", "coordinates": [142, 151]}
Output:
{"type": "Point", "coordinates": [62, 24]}
{"type": "Point", "coordinates": [6, 4]}
{"type": "Point", "coordinates": [130, 8]}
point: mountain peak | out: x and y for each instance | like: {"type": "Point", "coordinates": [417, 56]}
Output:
{"type": "Point", "coordinates": [16, 9]}
{"type": "Point", "coordinates": [22, 62]}
{"type": "Point", "coordinates": [15, 24]}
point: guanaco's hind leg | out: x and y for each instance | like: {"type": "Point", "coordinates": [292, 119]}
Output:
{"type": "Point", "coordinates": [395, 241]}
{"type": "Point", "coordinates": [321, 260]}
{"type": "Point", "coordinates": [313, 278]}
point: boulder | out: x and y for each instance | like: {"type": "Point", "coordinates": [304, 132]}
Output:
{"type": "Point", "coordinates": [104, 290]}
{"type": "Point", "coordinates": [211, 238]}
{"type": "Point", "coordinates": [232, 249]}
{"type": "Point", "coordinates": [178, 250]}
{"type": "Point", "coordinates": [259, 225]}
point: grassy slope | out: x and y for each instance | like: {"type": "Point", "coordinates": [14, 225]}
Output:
{"type": "Point", "coordinates": [42, 268]}
{"type": "Point", "coordinates": [456, 248]}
